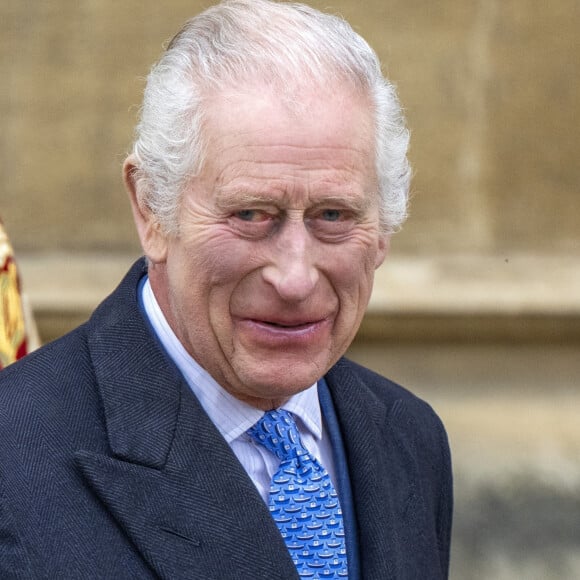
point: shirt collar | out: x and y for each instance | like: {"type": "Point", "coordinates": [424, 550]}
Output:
{"type": "Point", "coordinates": [231, 416]}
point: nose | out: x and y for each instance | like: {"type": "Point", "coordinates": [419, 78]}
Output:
{"type": "Point", "coordinates": [292, 270]}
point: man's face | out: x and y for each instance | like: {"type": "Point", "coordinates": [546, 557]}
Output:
{"type": "Point", "coordinates": [268, 279]}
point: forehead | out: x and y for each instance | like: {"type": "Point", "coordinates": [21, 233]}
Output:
{"type": "Point", "coordinates": [313, 129]}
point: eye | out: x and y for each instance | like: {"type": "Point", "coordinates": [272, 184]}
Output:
{"type": "Point", "coordinates": [251, 215]}
{"type": "Point", "coordinates": [253, 223]}
{"type": "Point", "coordinates": [331, 224]}
{"type": "Point", "coordinates": [331, 215]}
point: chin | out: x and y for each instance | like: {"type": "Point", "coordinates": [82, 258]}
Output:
{"type": "Point", "coordinates": [281, 381]}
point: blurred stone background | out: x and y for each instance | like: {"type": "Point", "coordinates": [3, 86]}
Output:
{"type": "Point", "coordinates": [478, 308]}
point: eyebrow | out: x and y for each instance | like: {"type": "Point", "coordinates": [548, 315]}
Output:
{"type": "Point", "coordinates": [229, 199]}
{"type": "Point", "coordinates": [232, 198]}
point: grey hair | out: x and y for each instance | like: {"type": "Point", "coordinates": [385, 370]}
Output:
{"type": "Point", "coordinates": [240, 41]}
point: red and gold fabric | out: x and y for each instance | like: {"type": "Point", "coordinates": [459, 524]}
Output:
{"type": "Point", "coordinates": [13, 343]}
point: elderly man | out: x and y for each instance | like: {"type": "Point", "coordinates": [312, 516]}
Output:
{"type": "Point", "coordinates": [203, 423]}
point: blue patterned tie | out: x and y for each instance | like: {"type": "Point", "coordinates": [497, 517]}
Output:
{"type": "Point", "coordinates": [303, 501]}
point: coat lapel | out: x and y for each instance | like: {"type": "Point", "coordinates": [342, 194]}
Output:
{"type": "Point", "coordinates": [382, 473]}
{"type": "Point", "coordinates": [171, 481]}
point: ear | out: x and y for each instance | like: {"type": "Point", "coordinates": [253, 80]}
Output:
{"type": "Point", "coordinates": [383, 249]}
{"type": "Point", "coordinates": [153, 239]}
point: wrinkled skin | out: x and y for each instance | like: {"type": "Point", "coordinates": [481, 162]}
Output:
{"type": "Point", "coordinates": [268, 278]}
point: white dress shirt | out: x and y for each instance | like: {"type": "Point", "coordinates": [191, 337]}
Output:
{"type": "Point", "coordinates": [233, 417]}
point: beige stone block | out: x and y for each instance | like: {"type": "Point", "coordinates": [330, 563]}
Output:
{"type": "Point", "coordinates": [535, 125]}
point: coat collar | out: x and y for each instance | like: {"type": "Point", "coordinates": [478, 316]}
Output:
{"type": "Point", "coordinates": [133, 374]}
{"type": "Point", "coordinates": [383, 471]}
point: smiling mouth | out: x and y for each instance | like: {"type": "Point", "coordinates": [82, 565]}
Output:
{"type": "Point", "coordinates": [291, 337]}
{"type": "Point", "coordinates": [285, 328]}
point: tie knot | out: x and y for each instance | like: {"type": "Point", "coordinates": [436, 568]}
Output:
{"type": "Point", "coordinates": [277, 431]}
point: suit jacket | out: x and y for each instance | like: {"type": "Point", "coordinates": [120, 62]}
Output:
{"type": "Point", "coordinates": [110, 468]}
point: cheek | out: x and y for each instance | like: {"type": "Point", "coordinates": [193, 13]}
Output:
{"type": "Point", "coordinates": [228, 261]}
{"type": "Point", "coordinates": [351, 274]}
{"type": "Point", "coordinates": [217, 270]}
{"type": "Point", "coordinates": [214, 257]}
{"type": "Point", "coordinates": [354, 264]}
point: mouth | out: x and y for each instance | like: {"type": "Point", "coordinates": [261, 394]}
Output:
{"type": "Point", "coordinates": [287, 326]}
{"type": "Point", "coordinates": [284, 330]}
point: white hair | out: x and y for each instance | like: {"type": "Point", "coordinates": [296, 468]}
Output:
{"type": "Point", "coordinates": [241, 41]}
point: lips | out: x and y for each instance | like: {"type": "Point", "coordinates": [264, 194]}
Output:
{"type": "Point", "coordinates": [295, 330]}
{"type": "Point", "coordinates": [286, 324]}
{"type": "Point", "coordinates": [276, 331]}
{"type": "Point", "coordinates": [296, 327]}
